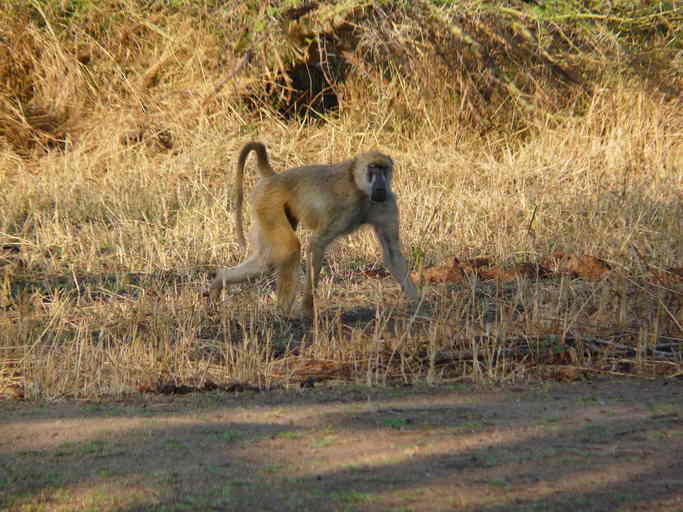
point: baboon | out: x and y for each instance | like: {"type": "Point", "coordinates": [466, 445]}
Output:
{"type": "Point", "coordinates": [331, 200]}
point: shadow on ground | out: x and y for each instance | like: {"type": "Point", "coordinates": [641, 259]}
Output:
{"type": "Point", "coordinates": [590, 446]}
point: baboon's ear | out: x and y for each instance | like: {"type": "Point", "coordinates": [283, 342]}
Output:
{"type": "Point", "coordinates": [357, 172]}
{"type": "Point", "coordinates": [353, 166]}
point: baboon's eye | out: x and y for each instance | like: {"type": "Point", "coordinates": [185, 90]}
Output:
{"type": "Point", "coordinates": [375, 170]}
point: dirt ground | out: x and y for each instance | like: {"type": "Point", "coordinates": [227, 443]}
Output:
{"type": "Point", "coordinates": [591, 446]}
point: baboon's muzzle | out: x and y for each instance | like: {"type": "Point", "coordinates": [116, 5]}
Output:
{"type": "Point", "coordinates": [379, 195]}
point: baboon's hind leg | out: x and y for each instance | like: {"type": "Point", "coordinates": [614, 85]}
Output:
{"type": "Point", "coordinates": [254, 266]}
{"type": "Point", "coordinates": [285, 255]}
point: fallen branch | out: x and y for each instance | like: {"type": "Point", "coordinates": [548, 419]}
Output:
{"type": "Point", "coordinates": [219, 86]}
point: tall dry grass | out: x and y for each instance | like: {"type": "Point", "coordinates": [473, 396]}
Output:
{"type": "Point", "coordinates": [109, 236]}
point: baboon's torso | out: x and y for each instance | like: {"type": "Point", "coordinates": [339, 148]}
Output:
{"type": "Point", "coordinates": [315, 195]}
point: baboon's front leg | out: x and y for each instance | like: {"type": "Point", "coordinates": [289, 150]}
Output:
{"type": "Point", "coordinates": [387, 235]}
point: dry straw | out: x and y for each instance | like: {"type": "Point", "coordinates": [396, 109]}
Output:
{"type": "Point", "coordinates": [517, 135]}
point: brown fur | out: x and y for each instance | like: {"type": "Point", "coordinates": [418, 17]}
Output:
{"type": "Point", "coordinates": [331, 200]}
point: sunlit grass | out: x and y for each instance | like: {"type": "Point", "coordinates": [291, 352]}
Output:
{"type": "Point", "coordinates": [107, 245]}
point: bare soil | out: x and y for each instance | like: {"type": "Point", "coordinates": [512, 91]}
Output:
{"type": "Point", "coordinates": [588, 446]}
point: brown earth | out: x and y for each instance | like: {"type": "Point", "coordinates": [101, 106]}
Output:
{"type": "Point", "coordinates": [574, 266]}
{"type": "Point", "coordinates": [589, 446]}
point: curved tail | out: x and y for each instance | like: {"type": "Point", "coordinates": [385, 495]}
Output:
{"type": "Point", "coordinates": [266, 171]}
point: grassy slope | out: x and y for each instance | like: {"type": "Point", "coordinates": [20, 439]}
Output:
{"type": "Point", "coordinates": [118, 154]}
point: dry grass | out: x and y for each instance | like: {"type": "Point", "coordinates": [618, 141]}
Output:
{"type": "Point", "coordinates": [109, 237]}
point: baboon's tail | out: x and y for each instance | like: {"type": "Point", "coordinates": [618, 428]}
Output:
{"type": "Point", "coordinates": [264, 168]}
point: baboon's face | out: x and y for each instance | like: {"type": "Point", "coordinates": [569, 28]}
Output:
{"type": "Point", "coordinates": [372, 174]}
{"type": "Point", "coordinates": [378, 181]}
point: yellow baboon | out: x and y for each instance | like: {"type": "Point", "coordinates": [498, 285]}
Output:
{"type": "Point", "coordinates": [331, 200]}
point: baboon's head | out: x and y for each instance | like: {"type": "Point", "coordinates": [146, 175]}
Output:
{"type": "Point", "coordinates": [372, 173]}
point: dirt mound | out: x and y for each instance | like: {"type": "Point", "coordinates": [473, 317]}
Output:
{"type": "Point", "coordinates": [558, 264]}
